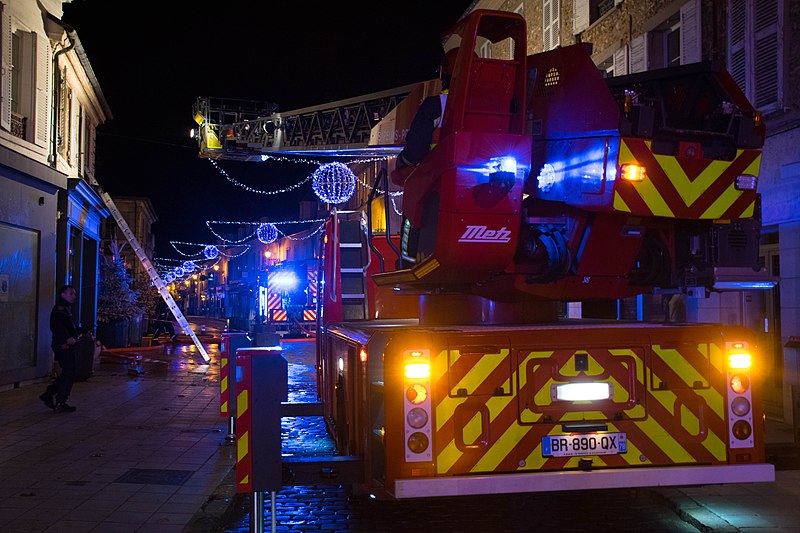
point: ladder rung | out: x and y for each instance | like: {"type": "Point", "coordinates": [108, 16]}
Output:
{"type": "Point", "coordinates": [351, 270]}
{"type": "Point", "coordinates": [352, 296]}
{"type": "Point", "coordinates": [350, 245]}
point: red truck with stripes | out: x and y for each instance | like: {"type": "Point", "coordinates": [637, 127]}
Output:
{"type": "Point", "coordinates": [451, 368]}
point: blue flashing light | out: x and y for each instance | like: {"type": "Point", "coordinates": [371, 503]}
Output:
{"type": "Point", "coordinates": [285, 280]}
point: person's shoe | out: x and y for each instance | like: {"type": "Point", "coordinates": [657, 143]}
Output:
{"type": "Point", "coordinates": [64, 408]}
{"type": "Point", "coordinates": [48, 400]}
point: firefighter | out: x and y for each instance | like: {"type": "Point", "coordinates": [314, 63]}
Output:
{"type": "Point", "coordinates": [420, 139]}
{"type": "Point", "coordinates": [427, 120]}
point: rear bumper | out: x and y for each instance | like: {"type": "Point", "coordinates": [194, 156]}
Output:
{"type": "Point", "coordinates": [577, 480]}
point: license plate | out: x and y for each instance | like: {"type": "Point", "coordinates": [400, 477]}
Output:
{"type": "Point", "coordinates": [584, 444]}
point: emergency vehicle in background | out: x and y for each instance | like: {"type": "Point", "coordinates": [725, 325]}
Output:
{"type": "Point", "coordinates": [443, 363]}
{"type": "Point", "coordinates": [289, 300]}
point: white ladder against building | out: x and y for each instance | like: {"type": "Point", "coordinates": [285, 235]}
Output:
{"type": "Point", "coordinates": [151, 271]}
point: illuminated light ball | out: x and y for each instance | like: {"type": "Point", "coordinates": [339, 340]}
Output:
{"type": "Point", "coordinates": [169, 277]}
{"type": "Point", "coordinates": [188, 266]}
{"type": "Point", "coordinates": [211, 251]}
{"type": "Point", "coordinates": [179, 272]}
{"type": "Point", "coordinates": [267, 233]}
{"type": "Point", "coordinates": [334, 183]}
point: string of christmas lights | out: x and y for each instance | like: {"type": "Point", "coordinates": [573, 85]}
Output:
{"type": "Point", "coordinates": [210, 251]}
{"type": "Point", "coordinates": [317, 162]}
{"type": "Point", "coordinates": [320, 178]}
{"type": "Point", "coordinates": [254, 232]}
{"type": "Point", "coordinates": [319, 228]}
{"type": "Point", "coordinates": [258, 191]}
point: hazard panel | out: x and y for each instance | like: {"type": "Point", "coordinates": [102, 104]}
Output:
{"type": "Point", "coordinates": [503, 409]}
{"type": "Point", "coordinates": [682, 187]}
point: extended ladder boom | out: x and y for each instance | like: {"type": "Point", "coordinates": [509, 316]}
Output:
{"type": "Point", "coordinates": [151, 271]}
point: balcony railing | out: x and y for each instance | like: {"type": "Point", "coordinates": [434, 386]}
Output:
{"type": "Point", "coordinates": [18, 124]}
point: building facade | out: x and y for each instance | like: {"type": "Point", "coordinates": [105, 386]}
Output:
{"type": "Point", "coordinates": [757, 40]}
{"type": "Point", "coordinates": [50, 107]}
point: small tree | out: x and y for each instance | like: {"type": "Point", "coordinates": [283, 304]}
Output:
{"type": "Point", "coordinates": [149, 296]}
{"type": "Point", "coordinates": [116, 300]}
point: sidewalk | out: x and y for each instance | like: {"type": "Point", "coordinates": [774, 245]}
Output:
{"type": "Point", "coordinates": [748, 507]}
{"type": "Point", "coordinates": [142, 452]}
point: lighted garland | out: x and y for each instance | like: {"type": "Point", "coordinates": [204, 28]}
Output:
{"type": "Point", "coordinates": [334, 183]}
{"type": "Point", "coordinates": [210, 223]}
{"type": "Point", "coordinates": [251, 189]}
{"type": "Point", "coordinates": [211, 251]}
{"type": "Point", "coordinates": [267, 233]}
{"type": "Point", "coordinates": [326, 168]}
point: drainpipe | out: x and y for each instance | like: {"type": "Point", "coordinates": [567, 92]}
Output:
{"type": "Point", "coordinates": [56, 95]}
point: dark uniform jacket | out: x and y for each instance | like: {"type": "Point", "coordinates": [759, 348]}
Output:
{"type": "Point", "coordinates": [62, 325]}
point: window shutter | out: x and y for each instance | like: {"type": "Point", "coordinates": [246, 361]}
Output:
{"type": "Point", "coordinates": [621, 61]}
{"type": "Point", "coordinates": [556, 24]}
{"type": "Point", "coordinates": [42, 108]}
{"type": "Point", "coordinates": [5, 69]}
{"type": "Point", "coordinates": [766, 64]}
{"type": "Point", "coordinates": [580, 12]}
{"type": "Point", "coordinates": [550, 38]}
{"type": "Point", "coordinates": [639, 53]}
{"type": "Point", "coordinates": [736, 50]}
{"type": "Point", "coordinates": [92, 139]}
{"type": "Point", "coordinates": [690, 32]}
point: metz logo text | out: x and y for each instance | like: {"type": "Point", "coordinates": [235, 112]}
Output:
{"type": "Point", "coordinates": [484, 234]}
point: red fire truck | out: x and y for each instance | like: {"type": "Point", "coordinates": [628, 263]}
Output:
{"type": "Point", "coordinates": [455, 375]}
{"type": "Point", "coordinates": [445, 364]}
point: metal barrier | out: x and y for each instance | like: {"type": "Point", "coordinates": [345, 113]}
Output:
{"type": "Point", "coordinates": [231, 341]}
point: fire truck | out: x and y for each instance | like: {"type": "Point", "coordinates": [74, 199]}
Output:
{"type": "Point", "coordinates": [445, 363]}
{"type": "Point", "coordinates": [288, 300]}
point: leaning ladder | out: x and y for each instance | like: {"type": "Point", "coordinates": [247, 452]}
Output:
{"type": "Point", "coordinates": [151, 271]}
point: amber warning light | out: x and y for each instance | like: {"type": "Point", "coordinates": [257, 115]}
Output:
{"type": "Point", "coordinates": [633, 172]}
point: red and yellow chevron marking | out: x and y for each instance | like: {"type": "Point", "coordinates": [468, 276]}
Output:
{"type": "Point", "coordinates": [309, 315]}
{"type": "Point", "coordinates": [224, 390]}
{"type": "Point", "coordinates": [681, 187]}
{"type": "Point", "coordinates": [244, 424]}
{"type": "Point", "coordinates": [312, 285]}
{"type": "Point", "coordinates": [273, 300]}
{"type": "Point", "coordinates": [279, 315]}
{"type": "Point", "coordinates": [673, 411]}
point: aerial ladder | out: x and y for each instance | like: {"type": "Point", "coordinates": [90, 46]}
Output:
{"type": "Point", "coordinates": [368, 125]}
{"type": "Point", "coordinates": [151, 271]}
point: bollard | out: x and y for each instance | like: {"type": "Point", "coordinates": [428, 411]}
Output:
{"type": "Point", "coordinates": [231, 341]}
{"type": "Point", "coordinates": [262, 377]}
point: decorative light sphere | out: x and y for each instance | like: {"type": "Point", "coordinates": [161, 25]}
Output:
{"type": "Point", "coordinates": [179, 272]}
{"type": "Point", "coordinates": [188, 266]}
{"type": "Point", "coordinates": [267, 233]}
{"type": "Point", "coordinates": [169, 277]}
{"type": "Point", "coordinates": [334, 183]}
{"type": "Point", "coordinates": [211, 251]}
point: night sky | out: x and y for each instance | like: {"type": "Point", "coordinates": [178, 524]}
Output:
{"type": "Point", "coordinates": [152, 62]}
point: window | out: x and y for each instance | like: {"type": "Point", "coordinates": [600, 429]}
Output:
{"type": "Point", "coordinates": [550, 24]}
{"type": "Point", "coordinates": [676, 41]}
{"type": "Point", "coordinates": [485, 50]}
{"type": "Point", "coordinates": [755, 50]}
{"type": "Point", "coordinates": [587, 12]}
{"type": "Point", "coordinates": [616, 65]}
{"type": "Point", "coordinates": [24, 91]}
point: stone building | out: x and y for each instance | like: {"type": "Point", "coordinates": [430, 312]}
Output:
{"type": "Point", "coordinates": [50, 213]}
{"type": "Point", "coordinates": [757, 40]}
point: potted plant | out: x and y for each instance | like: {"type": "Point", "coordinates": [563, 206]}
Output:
{"type": "Point", "coordinates": [116, 302]}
